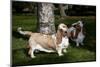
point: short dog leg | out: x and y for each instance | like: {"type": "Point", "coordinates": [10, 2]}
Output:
{"type": "Point", "coordinates": [77, 44]}
{"type": "Point", "coordinates": [59, 52]}
{"type": "Point", "coordinates": [32, 53]}
{"type": "Point", "coordinates": [64, 50]}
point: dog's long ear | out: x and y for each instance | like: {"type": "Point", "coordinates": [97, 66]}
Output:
{"type": "Point", "coordinates": [59, 36]}
{"type": "Point", "coordinates": [72, 34]}
{"type": "Point", "coordinates": [68, 33]}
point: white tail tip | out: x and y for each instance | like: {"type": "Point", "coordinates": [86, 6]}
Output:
{"type": "Point", "coordinates": [19, 29]}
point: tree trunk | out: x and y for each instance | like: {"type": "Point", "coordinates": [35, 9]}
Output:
{"type": "Point", "coordinates": [46, 18]}
{"type": "Point", "coordinates": [62, 10]}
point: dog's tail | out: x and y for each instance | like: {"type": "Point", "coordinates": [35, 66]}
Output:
{"type": "Point", "coordinates": [24, 32]}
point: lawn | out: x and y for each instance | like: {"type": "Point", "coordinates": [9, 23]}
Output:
{"type": "Point", "coordinates": [74, 54]}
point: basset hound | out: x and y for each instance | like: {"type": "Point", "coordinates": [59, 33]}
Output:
{"type": "Point", "coordinates": [49, 43]}
{"type": "Point", "coordinates": [76, 33]}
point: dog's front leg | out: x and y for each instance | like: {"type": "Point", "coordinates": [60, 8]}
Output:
{"type": "Point", "coordinates": [59, 50]}
{"type": "Point", "coordinates": [64, 50]}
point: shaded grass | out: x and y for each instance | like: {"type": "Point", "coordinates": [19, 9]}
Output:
{"type": "Point", "coordinates": [74, 54]}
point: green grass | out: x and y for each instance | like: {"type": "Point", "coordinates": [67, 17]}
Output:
{"type": "Point", "coordinates": [74, 54]}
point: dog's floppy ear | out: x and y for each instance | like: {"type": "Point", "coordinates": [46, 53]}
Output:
{"type": "Point", "coordinates": [67, 32]}
{"type": "Point", "coordinates": [59, 36]}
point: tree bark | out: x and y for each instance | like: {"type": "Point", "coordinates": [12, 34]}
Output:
{"type": "Point", "coordinates": [62, 10]}
{"type": "Point", "coordinates": [46, 18]}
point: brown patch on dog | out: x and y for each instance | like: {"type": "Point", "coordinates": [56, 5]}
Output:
{"type": "Point", "coordinates": [59, 36]}
{"type": "Point", "coordinates": [78, 29]}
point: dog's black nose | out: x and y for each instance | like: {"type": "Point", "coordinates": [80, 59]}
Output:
{"type": "Point", "coordinates": [65, 31]}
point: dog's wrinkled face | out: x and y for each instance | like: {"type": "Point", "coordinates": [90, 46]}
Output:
{"type": "Point", "coordinates": [78, 25]}
{"type": "Point", "coordinates": [76, 28]}
{"type": "Point", "coordinates": [64, 29]}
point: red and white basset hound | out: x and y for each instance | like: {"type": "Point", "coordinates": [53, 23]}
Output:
{"type": "Point", "coordinates": [49, 43]}
{"type": "Point", "coordinates": [76, 33]}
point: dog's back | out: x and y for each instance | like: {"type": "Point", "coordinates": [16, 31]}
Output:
{"type": "Point", "coordinates": [45, 41]}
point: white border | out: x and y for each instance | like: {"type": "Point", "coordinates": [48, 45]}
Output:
{"type": "Point", "coordinates": [82, 2]}
{"type": "Point", "coordinates": [5, 33]}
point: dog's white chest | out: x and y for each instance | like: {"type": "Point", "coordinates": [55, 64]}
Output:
{"type": "Point", "coordinates": [65, 42]}
{"type": "Point", "coordinates": [80, 36]}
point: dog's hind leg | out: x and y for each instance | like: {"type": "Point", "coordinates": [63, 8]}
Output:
{"type": "Point", "coordinates": [31, 52]}
{"type": "Point", "coordinates": [77, 44]}
{"type": "Point", "coordinates": [81, 42]}
{"type": "Point", "coordinates": [32, 48]}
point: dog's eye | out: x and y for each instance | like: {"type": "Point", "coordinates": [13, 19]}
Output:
{"type": "Point", "coordinates": [64, 26]}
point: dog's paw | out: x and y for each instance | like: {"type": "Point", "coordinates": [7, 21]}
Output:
{"type": "Point", "coordinates": [77, 44]}
{"type": "Point", "coordinates": [19, 28]}
{"type": "Point", "coordinates": [33, 56]}
{"type": "Point", "coordinates": [60, 54]}
{"type": "Point", "coordinates": [65, 51]}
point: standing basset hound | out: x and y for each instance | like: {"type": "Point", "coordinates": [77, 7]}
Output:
{"type": "Point", "coordinates": [48, 43]}
{"type": "Point", "coordinates": [77, 33]}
